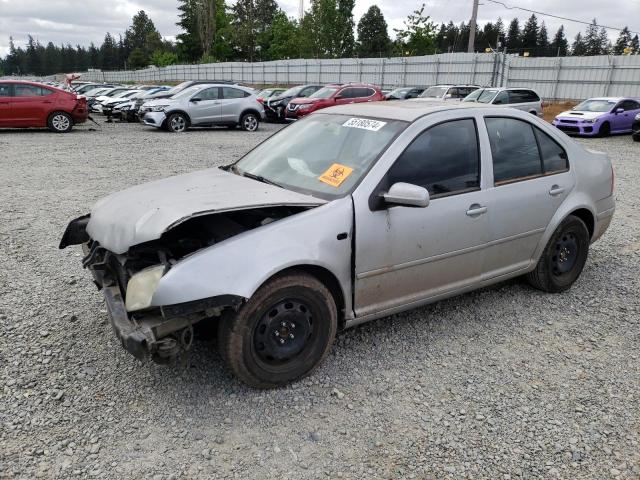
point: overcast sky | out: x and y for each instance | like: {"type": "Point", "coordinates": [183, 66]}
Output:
{"type": "Point", "coordinates": [85, 21]}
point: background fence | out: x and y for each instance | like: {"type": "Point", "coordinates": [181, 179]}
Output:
{"type": "Point", "coordinates": [554, 78]}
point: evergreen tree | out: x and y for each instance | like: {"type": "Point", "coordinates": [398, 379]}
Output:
{"type": "Point", "coordinates": [543, 48]}
{"type": "Point", "coordinates": [94, 56]}
{"type": "Point", "coordinates": [284, 38]}
{"type": "Point", "coordinates": [605, 44]}
{"type": "Point", "coordinates": [579, 48]}
{"type": "Point", "coordinates": [109, 53]}
{"type": "Point", "coordinates": [560, 45]}
{"type": "Point", "coordinates": [189, 46]}
{"type": "Point", "coordinates": [51, 60]}
{"type": "Point", "coordinates": [142, 37]}
{"type": "Point", "coordinates": [623, 41]}
{"type": "Point", "coordinates": [34, 62]}
{"type": "Point", "coordinates": [373, 37]}
{"type": "Point", "coordinates": [514, 36]}
{"type": "Point", "coordinates": [530, 35]}
{"type": "Point", "coordinates": [635, 45]}
{"type": "Point", "coordinates": [593, 40]}
{"type": "Point", "coordinates": [345, 24]}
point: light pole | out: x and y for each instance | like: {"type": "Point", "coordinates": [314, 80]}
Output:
{"type": "Point", "coordinates": [472, 27]}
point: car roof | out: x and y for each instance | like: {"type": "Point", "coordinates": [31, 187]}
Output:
{"type": "Point", "coordinates": [612, 99]}
{"type": "Point", "coordinates": [405, 110]}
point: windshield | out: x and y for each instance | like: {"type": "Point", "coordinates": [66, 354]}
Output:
{"type": "Point", "coordinates": [473, 96]}
{"type": "Point", "coordinates": [95, 91]}
{"type": "Point", "coordinates": [121, 93]}
{"type": "Point", "coordinates": [324, 92]}
{"type": "Point", "coordinates": [187, 92]}
{"type": "Point", "coordinates": [292, 92]}
{"type": "Point", "coordinates": [595, 106]}
{"type": "Point", "coordinates": [434, 92]}
{"type": "Point", "coordinates": [264, 93]}
{"type": "Point", "coordinates": [323, 155]}
{"type": "Point", "coordinates": [399, 92]}
{"type": "Point", "coordinates": [178, 88]}
{"type": "Point", "coordinates": [486, 96]}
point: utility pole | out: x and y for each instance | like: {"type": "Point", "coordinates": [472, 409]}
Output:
{"type": "Point", "coordinates": [472, 27]}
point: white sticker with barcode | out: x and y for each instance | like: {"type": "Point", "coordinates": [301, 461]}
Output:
{"type": "Point", "coordinates": [364, 123]}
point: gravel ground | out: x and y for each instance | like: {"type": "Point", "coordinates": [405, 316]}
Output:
{"type": "Point", "coordinates": [506, 382]}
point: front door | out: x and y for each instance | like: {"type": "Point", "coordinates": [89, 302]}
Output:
{"type": "Point", "coordinates": [531, 180]}
{"type": "Point", "coordinates": [205, 106]}
{"type": "Point", "coordinates": [622, 122]}
{"type": "Point", "coordinates": [404, 254]}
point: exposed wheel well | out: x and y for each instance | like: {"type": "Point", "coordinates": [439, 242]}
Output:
{"type": "Point", "coordinates": [587, 217]}
{"type": "Point", "coordinates": [327, 278]}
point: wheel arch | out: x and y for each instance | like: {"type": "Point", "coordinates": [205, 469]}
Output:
{"type": "Point", "coordinates": [164, 123]}
{"type": "Point", "coordinates": [587, 217]}
{"type": "Point", "coordinates": [250, 110]}
{"type": "Point", "coordinates": [53, 112]}
{"type": "Point", "coordinates": [326, 277]}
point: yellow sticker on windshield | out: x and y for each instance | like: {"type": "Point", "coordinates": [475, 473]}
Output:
{"type": "Point", "coordinates": [335, 174]}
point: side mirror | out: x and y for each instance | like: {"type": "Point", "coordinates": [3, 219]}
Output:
{"type": "Point", "coordinates": [195, 100]}
{"type": "Point", "coordinates": [619, 110]}
{"type": "Point", "coordinates": [406, 195]}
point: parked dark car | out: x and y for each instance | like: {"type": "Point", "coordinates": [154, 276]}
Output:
{"type": "Point", "coordinates": [404, 93]}
{"type": "Point", "coordinates": [334, 94]}
{"type": "Point", "coordinates": [29, 104]}
{"type": "Point", "coordinates": [275, 108]}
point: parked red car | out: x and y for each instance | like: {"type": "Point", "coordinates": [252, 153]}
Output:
{"type": "Point", "coordinates": [29, 104]}
{"type": "Point", "coordinates": [334, 94]}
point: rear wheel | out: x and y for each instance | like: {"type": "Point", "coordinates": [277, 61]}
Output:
{"type": "Point", "coordinates": [605, 130]}
{"type": "Point", "coordinates": [249, 122]}
{"type": "Point", "coordinates": [60, 122]}
{"type": "Point", "coordinates": [177, 123]}
{"type": "Point", "coordinates": [636, 137]}
{"type": "Point", "coordinates": [282, 333]}
{"type": "Point", "coordinates": [563, 258]}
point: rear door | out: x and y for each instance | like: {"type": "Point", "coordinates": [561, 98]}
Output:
{"type": "Point", "coordinates": [346, 95]}
{"type": "Point", "coordinates": [31, 105]}
{"type": "Point", "coordinates": [231, 103]}
{"type": "Point", "coordinates": [531, 180]}
{"type": "Point", "coordinates": [5, 104]}
{"type": "Point", "coordinates": [204, 106]}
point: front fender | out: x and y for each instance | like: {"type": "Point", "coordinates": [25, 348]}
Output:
{"type": "Point", "coordinates": [241, 264]}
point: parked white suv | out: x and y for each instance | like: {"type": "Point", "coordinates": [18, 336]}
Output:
{"type": "Point", "coordinates": [521, 98]}
{"type": "Point", "coordinates": [206, 105]}
{"type": "Point", "coordinates": [447, 92]}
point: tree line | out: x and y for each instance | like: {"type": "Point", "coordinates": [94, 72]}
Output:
{"type": "Point", "coordinates": [258, 30]}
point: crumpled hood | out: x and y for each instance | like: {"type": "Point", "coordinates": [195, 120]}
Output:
{"type": "Point", "coordinates": [578, 115]}
{"type": "Point", "coordinates": [143, 213]}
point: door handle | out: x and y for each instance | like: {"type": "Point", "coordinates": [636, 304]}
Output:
{"type": "Point", "coordinates": [475, 210]}
{"type": "Point", "coordinates": [556, 190]}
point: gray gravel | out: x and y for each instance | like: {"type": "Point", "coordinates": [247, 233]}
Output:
{"type": "Point", "coordinates": [502, 383]}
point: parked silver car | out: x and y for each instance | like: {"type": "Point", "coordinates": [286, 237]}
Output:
{"type": "Point", "coordinates": [354, 213]}
{"type": "Point", "coordinates": [447, 92]}
{"type": "Point", "coordinates": [523, 99]}
{"type": "Point", "coordinates": [206, 105]}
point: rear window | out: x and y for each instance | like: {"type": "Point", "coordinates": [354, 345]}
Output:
{"type": "Point", "coordinates": [230, 93]}
{"type": "Point", "coordinates": [522, 96]}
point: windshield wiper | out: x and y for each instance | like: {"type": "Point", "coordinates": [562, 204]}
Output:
{"type": "Point", "coordinates": [259, 178]}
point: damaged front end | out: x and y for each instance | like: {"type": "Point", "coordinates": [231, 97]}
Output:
{"type": "Point", "coordinates": [148, 328]}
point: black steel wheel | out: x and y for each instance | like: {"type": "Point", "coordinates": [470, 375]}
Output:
{"type": "Point", "coordinates": [282, 333]}
{"type": "Point", "coordinates": [563, 258]}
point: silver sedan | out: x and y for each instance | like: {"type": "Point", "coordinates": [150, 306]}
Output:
{"type": "Point", "coordinates": [354, 213]}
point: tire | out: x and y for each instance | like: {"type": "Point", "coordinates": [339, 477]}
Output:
{"type": "Point", "coordinates": [563, 258]}
{"type": "Point", "coordinates": [282, 333]}
{"type": "Point", "coordinates": [605, 130]}
{"type": "Point", "coordinates": [177, 123]}
{"type": "Point", "coordinates": [60, 122]}
{"type": "Point", "coordinates": [636, 137]}
{"type": "Point", "coordinates": [249, 122]}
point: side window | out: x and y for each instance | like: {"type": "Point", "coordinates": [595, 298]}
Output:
{"type": "Point", "coordinates": [208, 94]}
{"type": "Point", "coordinates": [27, 90]}
{"type": "Point", "coordinates": [502, 98]}
{"type": "Point", "coordinates": [444, 159]}
{"type": "Point", "coordinates": [45, 91]}
{"type": "Point", "coordinates": [531, 96]}
{"type": "Point", "coordinates": [517, 96]}
{"type": "Point", "coordinates": [229, 93]}
{"type": "Point", "coordinates": [5, 90]}
{"type": "Point", "coordinates": [554, 158]}
{"type": "Point", "coordinates": [514, 150]}
{"type": "Point", "coordinates": [453, 92]}
{"type": "Point", "coordinates": [349, 93]}
{"type": "Point", "coordinates": [629, 105]}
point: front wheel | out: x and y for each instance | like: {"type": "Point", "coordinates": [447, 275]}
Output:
{"type": "Point", "coordinates": [605, 130]}
{"type": "Point", "coordinates": [177, 123]}
{"type": "Point", "coordinates": [249, 122]}
{"type": "Point", "coordinates": [636, 137]}
{"type": "Point", "coordinates": [282, 333]}
{"type": "Point", "coordinates": [60, 122]}
{"type": "Point", "coordinates": [563, 258]}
